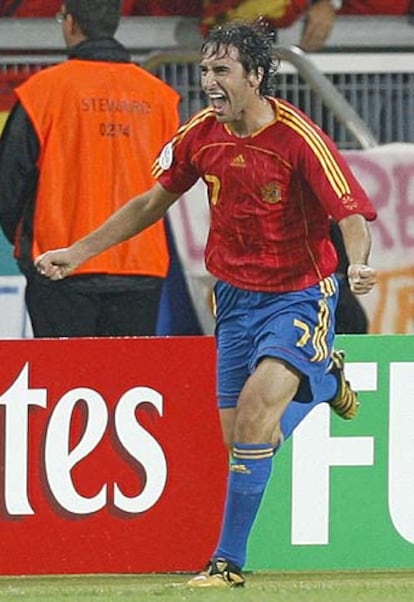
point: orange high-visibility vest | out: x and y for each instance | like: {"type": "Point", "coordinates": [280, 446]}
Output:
{"type": "Point", "coordinates": [100, 125]}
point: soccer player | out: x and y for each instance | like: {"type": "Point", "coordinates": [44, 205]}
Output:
{"type": "Point", "coordinates": [274, 179]}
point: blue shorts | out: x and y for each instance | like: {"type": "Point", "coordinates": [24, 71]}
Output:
{"type": "Point", "coordinates": [297, 327]}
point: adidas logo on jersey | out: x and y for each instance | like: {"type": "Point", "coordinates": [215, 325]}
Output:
{"type": "Point", "coordinates": [238, 161]}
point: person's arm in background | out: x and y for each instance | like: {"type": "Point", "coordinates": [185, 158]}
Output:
{"type": "Point", "coordinates": [319, 22]}
{"type": "Point", "coordinates": [19, 150]}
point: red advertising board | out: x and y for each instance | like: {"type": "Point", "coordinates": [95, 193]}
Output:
{"type": "Point", "coordinates": [111, 457]}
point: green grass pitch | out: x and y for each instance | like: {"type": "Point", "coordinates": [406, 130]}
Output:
{"type": "Point", "coordinates": [351, 586]}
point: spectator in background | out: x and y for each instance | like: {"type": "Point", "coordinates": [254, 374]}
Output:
{"type": "Point", "coordinates": [280, 13]}
{"type": "Point", "coordinates": [77, 144]}
{"type": "Point", "coordinates": [319, 15]}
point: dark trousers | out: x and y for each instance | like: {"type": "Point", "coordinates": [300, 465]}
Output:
{"type": "Point", "coordinates": [350, 316]}
{"type": "Point", "coordinates": [83, 308]}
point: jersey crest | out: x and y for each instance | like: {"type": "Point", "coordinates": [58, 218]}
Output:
{"type": "Point", "coordinates": [271, 193]}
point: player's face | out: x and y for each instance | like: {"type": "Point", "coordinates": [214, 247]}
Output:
{"type": "Point", "coordinates": [230, 89]}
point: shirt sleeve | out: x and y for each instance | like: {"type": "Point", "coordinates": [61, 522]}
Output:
{"type": "Point", "coordinates": [331, 179]}
{"type": "Point", "coordinates": [19, 151]}
{"type": "Point", "coordinates": [174, 168]}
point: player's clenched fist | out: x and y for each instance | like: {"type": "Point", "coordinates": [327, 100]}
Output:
{"type": "Point", "coordinates": [361, 278]}
{"type": "Point", "coordinates": [56, 264]}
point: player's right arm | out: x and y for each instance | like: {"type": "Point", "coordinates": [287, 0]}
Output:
{"type": "Point", "coordinates": [133, 217]}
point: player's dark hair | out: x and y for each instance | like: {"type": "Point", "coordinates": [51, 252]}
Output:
{"type": "Point", "coordinates": [255, 43]}
{"type": "Point", "coordinates": [96, 18]}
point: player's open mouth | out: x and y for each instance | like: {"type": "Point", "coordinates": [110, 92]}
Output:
{"type": "Point", "coordinates": [218, 102]}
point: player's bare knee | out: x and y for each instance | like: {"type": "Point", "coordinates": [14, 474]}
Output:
{"type": "Point", "coordinates": [256, 424]}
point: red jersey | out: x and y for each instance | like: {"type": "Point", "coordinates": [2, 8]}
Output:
{"type": "Point", "coordinates": [271, 195]}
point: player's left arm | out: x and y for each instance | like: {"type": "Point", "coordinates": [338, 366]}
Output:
{"type": "Point", "coordinates": [343, 197]}
{"type": "Point", "coordinates": [357, 240]}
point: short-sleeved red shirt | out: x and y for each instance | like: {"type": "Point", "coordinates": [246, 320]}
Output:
{"type": "Point", "coordinates": [271, 195]}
